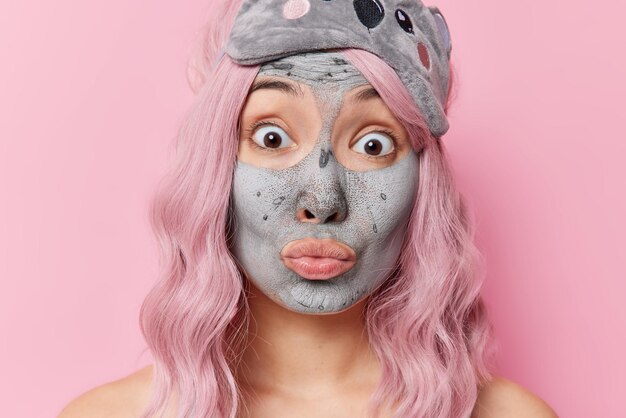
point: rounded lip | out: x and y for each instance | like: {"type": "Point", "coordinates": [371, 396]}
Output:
{"type": "Point", "coordinates": [315, 247]}
{"type": "Point", "coordinates": [297, 255]}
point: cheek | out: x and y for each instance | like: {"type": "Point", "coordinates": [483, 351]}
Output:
{"type": "Point", "coordinates": [259, 219]}
{"type": "Point", "coordinates": [390, 196]}
{"type": "Point", "coordinates": [257, 201]}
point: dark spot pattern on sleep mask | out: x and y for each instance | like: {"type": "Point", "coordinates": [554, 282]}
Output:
{"type": "Point", "coordinates": [411, 38]}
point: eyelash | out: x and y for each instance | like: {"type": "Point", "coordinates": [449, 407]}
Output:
{"type": "Point", "coordinates": [250, 130]}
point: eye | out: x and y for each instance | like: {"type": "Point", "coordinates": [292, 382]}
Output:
{"type": "Point", "coordinates": [404, 21]}
{"type": "Point", "coordinates": [270, 136]}
{"type": "Point", "coordinates": [376, 144]}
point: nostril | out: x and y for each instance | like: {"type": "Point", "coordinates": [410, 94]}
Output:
{"type": "Point", "coordinates": [333, 217]}
{"type": "Point", "coordinates": [305, 215]}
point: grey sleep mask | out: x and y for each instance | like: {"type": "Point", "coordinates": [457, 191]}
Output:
{"type": "Point", "coordinates": [411, 38]}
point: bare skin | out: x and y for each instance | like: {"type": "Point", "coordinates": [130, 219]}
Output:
{"type": "Point", "coordinates": [128, 396]}
{"type": "Point", "coordinates": [304, 365]}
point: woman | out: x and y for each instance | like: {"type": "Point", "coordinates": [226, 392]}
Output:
{"type": "Point", "coordinates": [318, 260]}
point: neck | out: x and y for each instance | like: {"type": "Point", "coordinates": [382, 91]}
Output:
{"type": "Point", "coordinates": [305, 353]}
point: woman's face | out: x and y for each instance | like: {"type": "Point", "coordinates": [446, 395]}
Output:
{"type": "Point", "coordinates": [323, 187]}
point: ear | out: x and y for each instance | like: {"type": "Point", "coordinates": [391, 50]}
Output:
{"type": "Point", "coordinates": [442, 28]}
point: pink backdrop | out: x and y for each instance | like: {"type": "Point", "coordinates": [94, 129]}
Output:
{"type": "Point", "coordinates": [92, 93]}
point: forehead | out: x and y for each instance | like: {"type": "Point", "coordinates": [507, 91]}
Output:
{"type": "Point", "coordinates": [296, 89]}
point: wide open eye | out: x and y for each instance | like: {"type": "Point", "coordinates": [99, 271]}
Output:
{"type": "Point", "coordinates": [376, 144]}
{"type": "Point", "coordinates": [272, 137]}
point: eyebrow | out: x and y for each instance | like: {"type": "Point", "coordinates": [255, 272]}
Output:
{"type": "Point", "coordinates": [362, 96]}
{"type": "Point", "coordinates": [365, 95]}
{"type": "Point", "coordinates": [277, 85]}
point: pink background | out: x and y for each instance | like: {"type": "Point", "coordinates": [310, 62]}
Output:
{"type": "Point", "coordinates": [92, 93]}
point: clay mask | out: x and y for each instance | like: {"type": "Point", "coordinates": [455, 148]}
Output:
{"type": "Point", "coordinates": [367, 210]}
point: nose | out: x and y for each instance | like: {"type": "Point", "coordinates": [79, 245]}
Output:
{"type": "Point", "coordinates": [323, 199]}
{"type": "Point", "coordinates": [312, 209]}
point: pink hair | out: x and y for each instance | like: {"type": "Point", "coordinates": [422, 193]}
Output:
{"type": "Point", "coordinates": [427, 323]}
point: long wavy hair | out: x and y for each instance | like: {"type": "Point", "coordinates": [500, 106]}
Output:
{"type": "Point", "coordinates": [427, 323]}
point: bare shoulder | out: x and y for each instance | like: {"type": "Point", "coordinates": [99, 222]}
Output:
{"type": "Point", "coordinates": [504, 398]}
{"type": "Point", "coordinates": [123, 398]}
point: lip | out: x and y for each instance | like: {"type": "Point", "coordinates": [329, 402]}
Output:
{"type": "Point", "coordinates": [318, 259]}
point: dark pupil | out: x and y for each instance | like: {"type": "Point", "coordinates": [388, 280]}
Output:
{"type": "Point", "coordinates": [272, 140]}
{"type": "Point", "coordinates": [404, 21]}
{"type": "Point", "coordinates": [373, 146]}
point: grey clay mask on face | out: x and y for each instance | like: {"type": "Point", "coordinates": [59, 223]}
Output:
{"type": "Point", "coordinates": [367, 210]}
